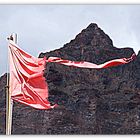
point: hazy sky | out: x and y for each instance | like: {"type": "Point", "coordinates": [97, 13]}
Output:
{"type": "Point", "coordinates": [42, 28]}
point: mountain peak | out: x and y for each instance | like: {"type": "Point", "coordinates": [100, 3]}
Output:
{"type": "Point", "coordinates": [92, 35]}
{"type": "Point", "coordinates": [92, 45]}
{"type": "Point", "coordinates": [92, 26]}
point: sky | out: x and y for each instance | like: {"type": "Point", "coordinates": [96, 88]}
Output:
{"type": "Point", "coordinates": [41, 28]}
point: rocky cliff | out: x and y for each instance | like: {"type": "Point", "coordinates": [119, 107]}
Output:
{"type": "Point", "coordinates": [105, 101]}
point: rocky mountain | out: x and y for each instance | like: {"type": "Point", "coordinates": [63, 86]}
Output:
{"type": "Point", "coordinates": [105, 101]}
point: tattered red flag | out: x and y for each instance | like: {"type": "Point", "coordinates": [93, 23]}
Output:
{"type": "Point", "coordinates": [27, 84]}
{"type": "Point", "coordinates": [83, 64]}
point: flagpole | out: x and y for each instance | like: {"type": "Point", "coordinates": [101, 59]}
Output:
{"type": "Point", "coordinates": [9, 101]}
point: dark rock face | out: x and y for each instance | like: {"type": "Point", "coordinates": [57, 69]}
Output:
{"type": "Point", "coordinates": [105, 101]}
{"type": "Point", "coordinates": [2, 103]}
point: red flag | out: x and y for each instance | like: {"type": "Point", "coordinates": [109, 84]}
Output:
{"type": "Point", "coordinates": [27, 84]}
{"type": "Point", "coordinates": [83, 64]}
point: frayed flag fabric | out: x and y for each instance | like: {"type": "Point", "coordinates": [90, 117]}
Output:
{"type": "Point", "coordinates": [27, 84]}
{"type": "Point", "coordinates": [83, 64]}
